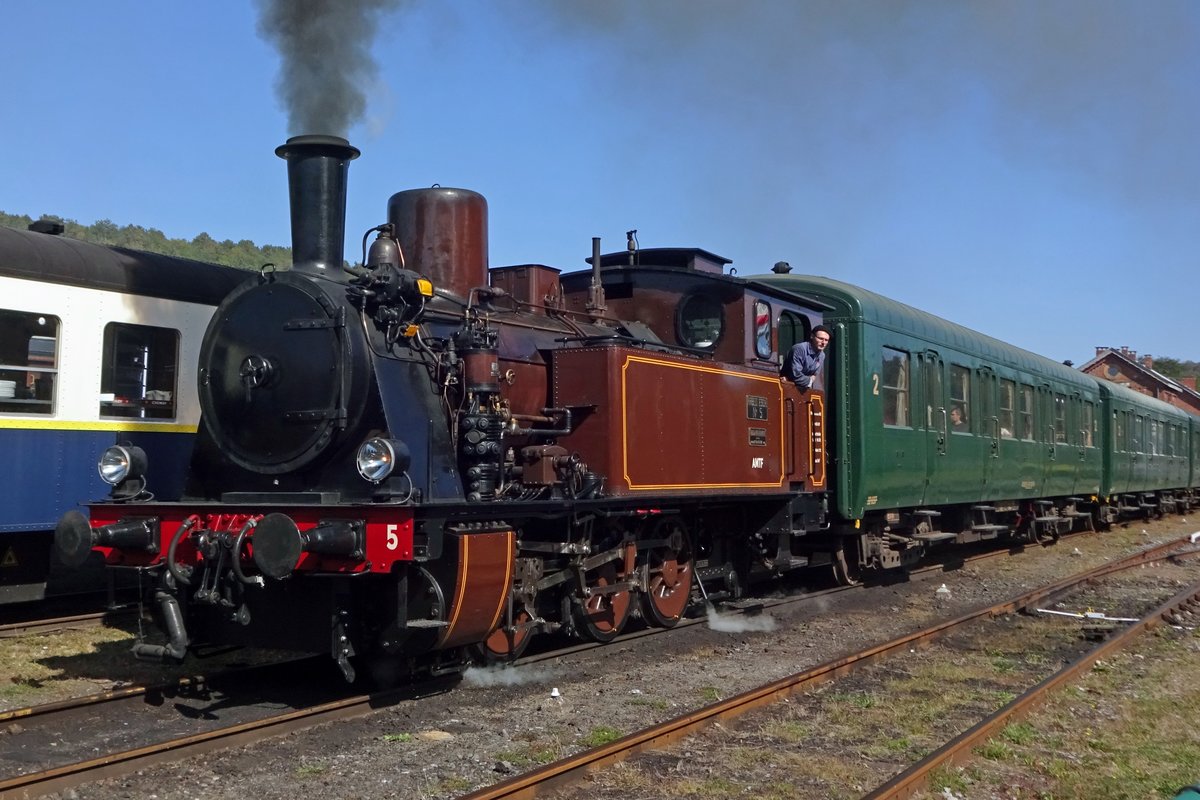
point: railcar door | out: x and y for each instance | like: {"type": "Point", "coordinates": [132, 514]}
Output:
{"type": "Point", "coordinates": [1050, 479]}
{"type": "Point", "coordinates": [966, 450]}
{"type": "Point", "coordinates": [1120, 457]}
{"type": "Point", "coordinates": [1087, 462]}
{"type": "Point", "coordinates": [935, 422]}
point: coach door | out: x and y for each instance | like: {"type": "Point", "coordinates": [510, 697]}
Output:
{"type": "Point", "coordinates": [1087, 461]}
{"type": "Point", "coordinates": [987, 428]}
{"type": "Point", "coordinates": [935, 422]}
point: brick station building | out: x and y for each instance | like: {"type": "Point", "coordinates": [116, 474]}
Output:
{"type": "Point", "coordinates": [1124, 367]}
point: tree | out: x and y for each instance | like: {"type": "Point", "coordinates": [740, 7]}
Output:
{"type": "Point", "coordinates": [245, 254]}
{"type": "Point", "coordinates": [1175, 368]}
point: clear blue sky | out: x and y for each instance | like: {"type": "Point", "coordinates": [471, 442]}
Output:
{"type": "Point", "coordinates": [1030, 169]}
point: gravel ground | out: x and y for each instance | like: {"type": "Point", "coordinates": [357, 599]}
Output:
{"type": "Point", "coordinates": [499, 722]}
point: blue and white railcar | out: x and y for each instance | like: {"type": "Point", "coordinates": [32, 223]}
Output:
{"type": "Point", "coordinates": [98, 346]}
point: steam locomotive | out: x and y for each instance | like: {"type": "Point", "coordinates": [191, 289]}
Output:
{"type": "Point", "coordinates": [418, 458]}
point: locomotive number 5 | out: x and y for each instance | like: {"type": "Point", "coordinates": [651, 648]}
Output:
{"type": "Point", "coordinates": [393, 539]}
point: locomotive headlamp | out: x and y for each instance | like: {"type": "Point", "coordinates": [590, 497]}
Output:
{"type": "Point", "coordinates": [378, 458]}
{"type": "Point", "coordinates": [120, 463]}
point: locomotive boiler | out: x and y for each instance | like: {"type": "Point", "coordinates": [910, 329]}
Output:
{"type": "Point", "coordinates": [404, 461]}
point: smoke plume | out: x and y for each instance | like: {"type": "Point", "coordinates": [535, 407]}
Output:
{"type": "Point", "coordinates": [325, 46]}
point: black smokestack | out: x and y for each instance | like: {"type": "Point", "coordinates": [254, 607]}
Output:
{"type": "Point", "coordinates": [317, 173]}
{"type": "Point", "coordinates": [326, 50]}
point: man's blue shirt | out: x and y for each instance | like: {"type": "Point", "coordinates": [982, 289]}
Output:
{"type": "Point", "coordinates": [806, 362]}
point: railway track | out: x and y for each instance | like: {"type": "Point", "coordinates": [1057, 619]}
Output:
{"type": "Point", "coordinates": [565, 776]}
{"type": "Point", "coordinates": [42, 626]}
{"type": "Point", "coordinates": [32, 624]}
{"type": "Point", "coordinates": [251, 725]}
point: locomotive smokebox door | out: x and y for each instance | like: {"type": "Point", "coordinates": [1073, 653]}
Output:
{"type": "Point", "coordinates": [282, 377]}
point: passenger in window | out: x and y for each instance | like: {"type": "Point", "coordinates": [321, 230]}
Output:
{"type": "Point", "coordinates": [958, 419]}
{"type": "Point", "coordinates": [805, 359]}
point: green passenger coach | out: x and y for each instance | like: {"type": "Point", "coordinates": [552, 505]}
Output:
{"type": "Point", "coordinates": [941, 433]}
{"type": "Point", "coordinates": [1146, 447]}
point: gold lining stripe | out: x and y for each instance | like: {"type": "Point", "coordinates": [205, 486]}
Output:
{"type": "Point", "coordinates": [508, 576]}
{"type": "Point", "coordinates": [463, 562]}
{"type": "Point", "coordinates": [819, 401]}
{"type": "Point", "coordinates": [697, 368]}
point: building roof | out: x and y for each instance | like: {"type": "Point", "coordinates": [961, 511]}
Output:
{"type": "Point", "coordinates": [1136, 366]}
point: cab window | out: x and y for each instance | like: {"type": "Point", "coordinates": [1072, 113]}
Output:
{"type": "Point", "coordinates": [700, 321]}
{"type": "Point", "coordinates": [793, 328]}
{"type": "Point", "coordinates": [28, 362]}
{"type": "Point", "coordinates": [762, 329]}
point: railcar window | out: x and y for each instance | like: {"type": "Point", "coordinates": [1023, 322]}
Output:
{"type": "Point", "coordinates": [960, 397]}
{"type": "Point", "coordinates": [1119, 433]}
{"type": "Point", "coordinates": [139, 373]}
{"type": "Point", "coordinates": [1008, 394]}
{"type": "Point", "coordinates": [1025, 417]}
{"type": "Point", "coordinates": [985, 402]}
{"type": "Point", "coordinates": [931, 367]}
{"type": "Point", "coordinates": [28, 362]}
{"type": "Point", "coordinates": [1155, 437]}
{"type": "Point", "coordinates": [1088, 425]}
{"type": "Point", "coordinates": [762, 329]}
{"type": "Point", "coordinates": [893, 390]}
{"type": "Point", "coordinates": [1060, 419]}
{"type": "Point", "coordinates": [1137, 437]}
{"type": "Point", "coordinates": [700, 321]}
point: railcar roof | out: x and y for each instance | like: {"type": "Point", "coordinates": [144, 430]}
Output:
{"type": "Point", "coordinates": [58, 259]}
{"type": "Point", "coordinates": [1127, 395]}
{"type": "Point", "coordinates": [855, 304]}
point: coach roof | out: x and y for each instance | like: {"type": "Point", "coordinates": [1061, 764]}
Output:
{"type": "Point", "coordinates": [855, 304]}
{"type": "Point", "coordinates": [58, 259]}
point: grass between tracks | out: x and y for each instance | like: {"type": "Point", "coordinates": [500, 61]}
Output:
{"type": "Point", "coordinates": [1129, 729]}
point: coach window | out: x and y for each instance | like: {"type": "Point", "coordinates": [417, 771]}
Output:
{"type": "Point", "coordinates": [1060, 419]}
{"type": "Point", "coordinates": [1008, 396]}
{"type": "Point", "coordinates": [138, 374]}
{"type": "Point", "coordinates": [28, 362]}
{"type": "Point", "coordinates": [960, 396]}
{"type": "Point", "coordinates": [893, 387]}
{"type": "Point", "coordinates": [1137, 434]}
{"type": "Point", "coordinates": [700, 321]}
{"type": "Point", "coordinates": [1120, 442]}
{"type": "Point", "coordinates": [1088, 425]}
{"type": "Point", "coordinates": [1025, 414]}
